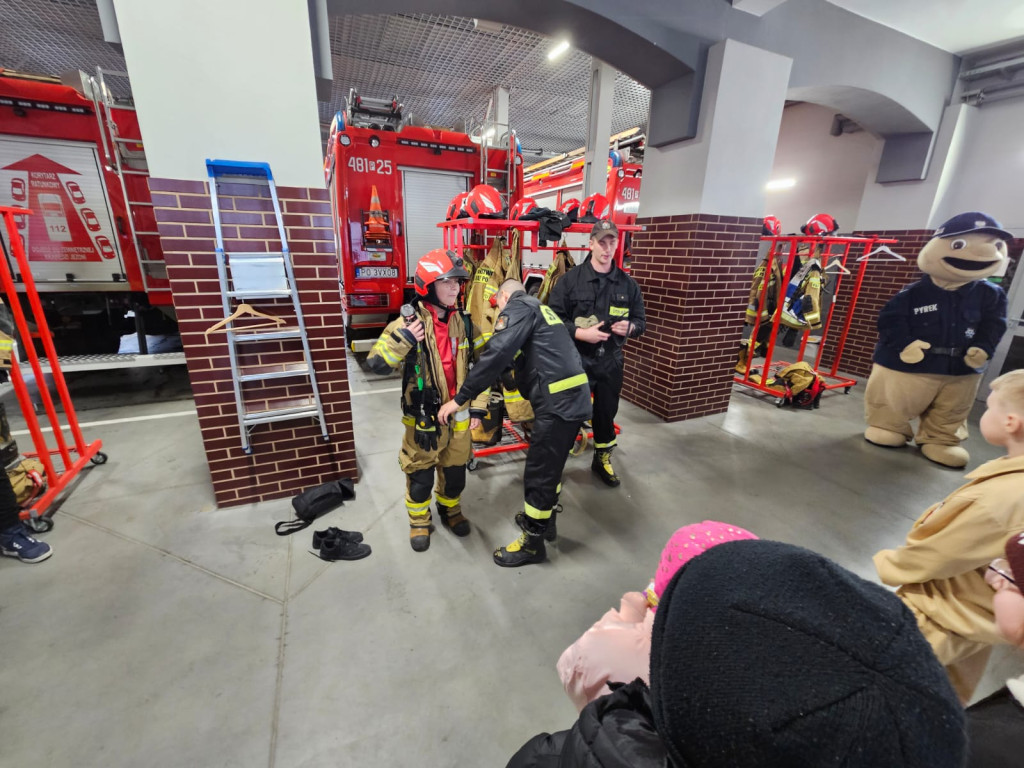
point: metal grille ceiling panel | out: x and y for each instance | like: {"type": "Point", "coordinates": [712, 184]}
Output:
{"type": "Point", "coordinates": [443, 70]}
{"type": "Point", "coordinates": [50, 37]}
{"type": "Point", "coordinates": [440, 67]}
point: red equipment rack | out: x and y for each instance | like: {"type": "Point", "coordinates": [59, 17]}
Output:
{"type": "Point", "coordinates": [829, 254]}
{"type": "Point", "coordinates": [513, 438]}
{"type": "Point", "coordinates": [56, 481]}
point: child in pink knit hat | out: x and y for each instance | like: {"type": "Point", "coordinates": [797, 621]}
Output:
{"type": "Point", "coordinates": [618, 647]}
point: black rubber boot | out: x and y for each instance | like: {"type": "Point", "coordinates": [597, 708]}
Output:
{"type": "Point", "coordinates": [602, 467]}
{"type": "Point", "coordinates": [551, 524]}
{"type": "Point", "coordinates": [453, 519]}
{"type": "Point", "coordinates": [525, 550]}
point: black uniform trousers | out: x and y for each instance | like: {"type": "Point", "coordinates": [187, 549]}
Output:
{"type": "Point", "coordinates": [550, 442]}
{"type": "Point", "coordinates": [995, 731]}
{"type": "Point", "coordinates": [605, 385]}
{"type": "Point", "coordinates": [9, 509]}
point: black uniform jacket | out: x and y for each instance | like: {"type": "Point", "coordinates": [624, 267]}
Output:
{"type": "Point", "coordinates": [583, 292]}
{"type": "Point", "coordinates": [973, 315]}
{"type": "Point", "coordinates": [532, 339]}
{"type": "Point", "coordinates": [614, 731]}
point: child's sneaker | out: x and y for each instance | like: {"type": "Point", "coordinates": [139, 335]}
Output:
{"type": "Point", "coordinates": [15, 542]}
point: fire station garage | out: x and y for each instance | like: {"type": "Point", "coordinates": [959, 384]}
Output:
{"type": "Point", "coordinates": [306, 304]}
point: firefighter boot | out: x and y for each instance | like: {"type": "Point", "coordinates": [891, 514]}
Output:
{"type": "Point", "coordinates": [527, 549]}
{"type": "Point", "coordinates": [419, 525]}
{"type": "Point", "coordinates": [602, 467]}
{"type": "Point", "coordinates": [551, 524]}
{"type": "Point", "coordinates": [451, 515]}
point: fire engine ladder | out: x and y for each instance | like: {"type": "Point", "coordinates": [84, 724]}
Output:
{"type": "Point", "coordinates": [127, 158]}
{"type": "Point", "coordinates": [248, 277]}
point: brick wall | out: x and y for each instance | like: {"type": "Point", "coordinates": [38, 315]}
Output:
{"type": "Point", "coordinates": [286, 456]}
{"type": "Point", "coordinates": [695, 273]}
{"type": "Point", "coordinates": [883, 279]}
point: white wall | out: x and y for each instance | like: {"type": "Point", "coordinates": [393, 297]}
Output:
{"type": "Point", "coordinates": [989, 175]}
{"type": "Point", "coordinates": [912, 204]}
{"type": "Point", "coordinates": [830, 171]}
{"type": "Point", "coordinates": [723, 170]}
{"type": "Point", "coordinates": [230, 79]}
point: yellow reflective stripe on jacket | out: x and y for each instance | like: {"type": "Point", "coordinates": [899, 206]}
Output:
{"type": "Point", "coordinates": [381, 348]}
{"type": "Point", "coordinates": [573, 381]}
{"type": "Point", "coordinates": [513, 396]}
{"type": "Point", "coordinates": [618, 311]}
{"type": "Point", "coordinates": [408, 421]}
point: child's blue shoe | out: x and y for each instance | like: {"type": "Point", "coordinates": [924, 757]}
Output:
{"type": "Point", "coordinates": [15, 542]}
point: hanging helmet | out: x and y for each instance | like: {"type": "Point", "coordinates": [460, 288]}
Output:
{"type": "Point", "coordinates": [438, 264]}
{"type": "Point", "coordinates": [595, 208]}
{"type": "Point", "coordinates": [771, 227]}
{"type": "Point", "coordinates": [522, 208]}
{"type": "Point", "coordinates": [820, 225]}
{"type": "Point", "coordinates": [455, 206]}
{"type": "Point", "coordinates": [484, 201]}
{"type": "Point", "coordinates": [571, 208]}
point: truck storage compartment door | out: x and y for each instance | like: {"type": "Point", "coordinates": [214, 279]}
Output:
{"type": "Point", "coordinates": [71, 232]}
{"type": "Point", "coordinates": [426, 195]}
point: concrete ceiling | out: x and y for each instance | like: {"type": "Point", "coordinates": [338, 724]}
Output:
{"type": "Point", "coordinates": [957, 26]}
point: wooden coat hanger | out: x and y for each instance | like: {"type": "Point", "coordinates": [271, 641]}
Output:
{"type": "Point", "coordinates": [885, 250]}
{"type": "Point", "coordinates": [244, 309]}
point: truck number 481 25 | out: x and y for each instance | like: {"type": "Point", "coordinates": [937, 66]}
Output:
{"type": "Point", "coordinates": [369, 165]}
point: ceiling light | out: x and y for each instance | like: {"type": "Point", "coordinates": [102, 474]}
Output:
{"type": "Point", "coordinates": [780, 184]}
{"type": "Point", "coordinates": [558, 50]}
{"type": "Point", "coordinates": [482, 25]}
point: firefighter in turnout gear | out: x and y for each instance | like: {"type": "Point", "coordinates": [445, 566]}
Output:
{"type": "Point", "coordinates": [532, 339]}
{"type": "Point", "coordinates": [433, 343]}
{"type": "Point", "coordinates": [602, 307]}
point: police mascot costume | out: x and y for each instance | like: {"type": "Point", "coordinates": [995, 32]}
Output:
{"type": "Point", "coordinates": [935, 338]}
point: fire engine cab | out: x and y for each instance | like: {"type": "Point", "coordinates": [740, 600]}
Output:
{"type": "Point", "coordinates": [391, 182]}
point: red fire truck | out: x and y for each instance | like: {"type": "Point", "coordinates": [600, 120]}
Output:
{"type": "Point", "coordinates": [390, 184]}
{"type": "Point", "coordinates": [555, 185]}
{"type": "Point", "coordinates": [74, 157]}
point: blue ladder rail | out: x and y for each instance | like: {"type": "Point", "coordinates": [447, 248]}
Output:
{"type": "Point", "coordinates": [218, 168]}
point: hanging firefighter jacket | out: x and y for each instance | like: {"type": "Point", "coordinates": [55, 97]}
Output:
{"type": "Point", "coordinates": [802, 306]}
{"type": "Point", "coordinates": [500, 264]}
{"type": "Point", "coordinates": [561, 264]}
{"type": "Point", "coordinates": [774, 278]}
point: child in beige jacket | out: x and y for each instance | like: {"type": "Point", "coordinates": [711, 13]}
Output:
{"type": "Point", "coordinates": [940, 570]}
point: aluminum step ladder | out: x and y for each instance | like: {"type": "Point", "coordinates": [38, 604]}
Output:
{"type": "Point", "coordinates": [250, 277]}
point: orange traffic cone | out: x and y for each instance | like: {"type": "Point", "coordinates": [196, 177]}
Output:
{"type": "Point", "coordinates": [375, 222]}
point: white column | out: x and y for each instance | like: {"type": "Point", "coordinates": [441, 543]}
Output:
{"type": "Point", "coordinates": [724, 169]}
{"type": "Point", "coordinates": [230, 79]}
{"type": "Point", "coordinates": [599, 128]}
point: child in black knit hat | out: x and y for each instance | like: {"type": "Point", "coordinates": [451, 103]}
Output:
{"type": "Point", "coordinates": [765, 655]}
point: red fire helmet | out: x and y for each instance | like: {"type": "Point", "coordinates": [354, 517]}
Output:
{"type": "Point", "coordinates": [595, 208]}
{"type": "Point", "coordinates": [771, 226]}
{"type": "Point", "coordinates": [484, 201]}
{"type": "Point", "coordinates": [820, 225]}
{"type": "Point", "coordinates": [522, 208]}
{"type": "Point", "coordinates": [438, 264]}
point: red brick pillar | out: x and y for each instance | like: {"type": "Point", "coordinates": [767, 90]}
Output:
{"type": "Point", "coordinates": [286, 456]}
{"type": "Point", "coordinates": [694, 272]}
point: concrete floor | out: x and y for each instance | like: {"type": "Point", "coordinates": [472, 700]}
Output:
{"type": "Point", "coordinates": [166, 632]}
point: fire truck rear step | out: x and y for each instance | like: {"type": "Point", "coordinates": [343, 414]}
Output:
{"type": "Point", "coordinates": [255, 276]}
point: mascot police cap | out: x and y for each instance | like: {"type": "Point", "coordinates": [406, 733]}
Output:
{"type": "Point", "coordinates": [972, 221]}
